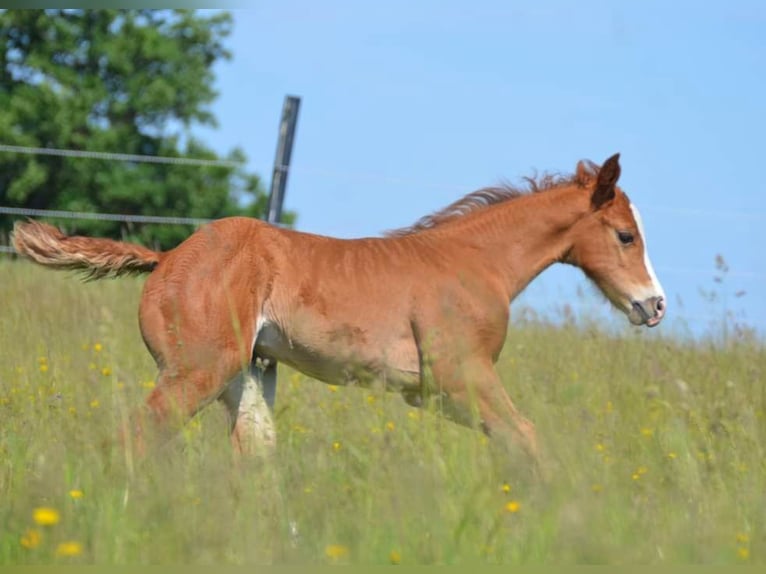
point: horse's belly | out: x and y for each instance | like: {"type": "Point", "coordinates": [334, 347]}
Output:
{"type": "Point", "coordinates": [346, 362]}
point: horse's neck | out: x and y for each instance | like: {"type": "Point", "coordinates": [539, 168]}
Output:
{"type": "Point", "coordinates": [520, 238]}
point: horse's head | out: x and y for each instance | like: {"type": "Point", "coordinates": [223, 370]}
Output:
{"type": "Point", "coordinates": [609, 245]}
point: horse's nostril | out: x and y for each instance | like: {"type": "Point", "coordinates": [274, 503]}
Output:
{"type": "Point", "coordinates": [660, 305]}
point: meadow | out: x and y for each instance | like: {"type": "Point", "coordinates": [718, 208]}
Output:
{"type": "Point", "coordinates": [654, 447]}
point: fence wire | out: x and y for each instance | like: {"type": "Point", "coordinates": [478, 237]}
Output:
{"type": "Point", "coordinates": [118, 156]}
{"type": "Point", "coordinates": [26, 212]}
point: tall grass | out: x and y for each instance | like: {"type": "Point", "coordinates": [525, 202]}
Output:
{"type": "Point", "coordinates": [654, 449]}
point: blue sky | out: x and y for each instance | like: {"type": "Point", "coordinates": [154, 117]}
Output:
{"type": "Point", "coordinates": [408, 105]}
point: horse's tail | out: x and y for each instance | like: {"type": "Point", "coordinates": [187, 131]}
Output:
{"type": "Point", "coordinates": [95, 257]}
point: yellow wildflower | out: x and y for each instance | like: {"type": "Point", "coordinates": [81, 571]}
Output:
{"type": "Point", "coordinates": [390, 426]}
{"type": "Point", "coordinates": [371, 399]}
{"type": "Point", "coordinates": [94, 404]}
{"type": "Point", "coordinates": [506, 488]}
{"type": "Point", "coordinates": [31, 539]}
{"type": "Point", "coordinates": [743, 538]}
{"type": "Point", "coordinates": [336, 551]}
{"type": "Point", "coordinates": [600, 447]}
{"type": "Point", "coordinates": [333, 388]}
{"type": "Point", "coordinates": [336, 446]}
{"type": "Point", "coordinates": [69, 548]}
{"type": "Point", "coordinates": [743, 553]}
{"type": "Point", "coordinates": [513, 506]}
{"type": "Point", "coordinates": [76, 493]}
{"type": "Point", "coordinates": [647, 432]}
{"type": "Point", "coordinates": [106, 371]}
{"type": "Point", "coordinates": [45, 516]}
{"type": "Point", "coordinates": [672, 455]}
{"type": "Point", "coordinates": [43, 368]}
{"type": "Point", "coordinates": [394, 557]}
{"type": "Point", "coordinates": [148, 384]}
{"type": "Point", "coordinates": [98, 347]}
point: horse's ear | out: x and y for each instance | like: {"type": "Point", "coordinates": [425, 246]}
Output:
{"type": "Point", "coordinates": [582, 174]}
{"type": "Point", "coordinates": [606, 182]}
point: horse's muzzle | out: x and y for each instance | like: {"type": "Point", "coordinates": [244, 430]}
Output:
{"type": "Point", "coordinates": [649, 311]}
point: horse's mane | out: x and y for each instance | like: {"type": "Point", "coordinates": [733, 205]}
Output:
{"type": "Point", "coordinates": [489, 196]}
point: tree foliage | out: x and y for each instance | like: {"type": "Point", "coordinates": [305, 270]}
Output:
{"type": "Point", "coordinates": [122, 81]}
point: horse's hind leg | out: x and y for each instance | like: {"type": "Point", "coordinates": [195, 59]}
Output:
{"type": "Point", "coordinates": [249, 399]}
{"type": "Point", "coordinates": [175, 399]}
{"type": "Point", "coordinates": [268, 379]}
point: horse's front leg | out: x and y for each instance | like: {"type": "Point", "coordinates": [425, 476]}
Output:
{"type": "Point", "coordinates": [472, 393]}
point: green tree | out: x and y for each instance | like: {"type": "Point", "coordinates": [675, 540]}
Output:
{"type": "Point", "coordinates": [123, 81]}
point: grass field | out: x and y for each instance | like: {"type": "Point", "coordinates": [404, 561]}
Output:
{"type": "Point", "coordinates": [655, 449]}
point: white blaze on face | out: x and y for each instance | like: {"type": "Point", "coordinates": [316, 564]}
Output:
{"type": "Point", "coordinates": [656, 288]}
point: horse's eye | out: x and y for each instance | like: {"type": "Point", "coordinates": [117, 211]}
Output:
{"type": "Point", "coordinates": [625, 237]}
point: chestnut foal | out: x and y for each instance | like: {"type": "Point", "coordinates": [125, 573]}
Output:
{"type": "Point", "coordinates": [423, 311]}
